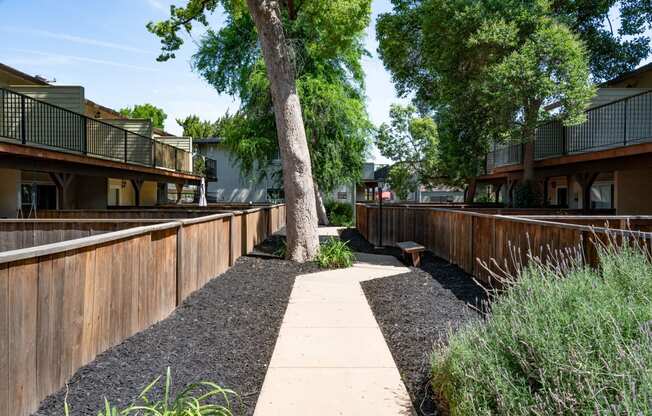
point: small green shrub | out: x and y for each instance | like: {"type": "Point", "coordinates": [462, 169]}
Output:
{"type": "Point", "coordinates": [340, 214]}
{"type": "Point", "coordinates": [335, 253]}
{"type": "Point", "coordinates": [198, 399]}
{"type": "Point", "coordinates": [282, 249]}
{"type": "Point", "coordinates": [527, 195]}
{"type": "Point", "coordinates": [567, 340]}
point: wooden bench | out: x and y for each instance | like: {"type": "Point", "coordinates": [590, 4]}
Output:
{"type": "Point", "coordinates": [412, 250]}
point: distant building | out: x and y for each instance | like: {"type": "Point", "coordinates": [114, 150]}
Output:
{"type": "Point", "coordinates": [230, 185]}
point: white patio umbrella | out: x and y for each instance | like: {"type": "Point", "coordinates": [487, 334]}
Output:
{"type": "Point", "coordinates": [202, 193]}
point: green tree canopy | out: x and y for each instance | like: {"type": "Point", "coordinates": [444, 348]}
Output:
{"type": "Point", "coordinates": [146, 111]}
{"type": "Point", "coordinates": [327, 46]}
{"type": "Point", "coordinates": [412, 141]}
{"type": "Point", "coordinates": [199, 129]}
{"type": "Point", "coordinates": [486, 68]}
{"type": "Point", "coordinates": [402, 181]}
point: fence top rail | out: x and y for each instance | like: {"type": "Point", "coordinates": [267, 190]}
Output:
{"type": "Point", "coordinates": [534, 221]}
{"type": "Point", "coordinates": [589, 228]}
{"type": "Point", "coordinates": [199, 220]}
{"type": "Point", "coordinates": [82, 220]}
{"type": "Point", "coordinates": [79, 243]}
{"type": "Point", "coordinates": [576, 217]}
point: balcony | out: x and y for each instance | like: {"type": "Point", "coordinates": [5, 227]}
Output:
{"type": "Point", "coordinates": [31, 122]}
{"type": "Point", "coordinates": [625, 122]}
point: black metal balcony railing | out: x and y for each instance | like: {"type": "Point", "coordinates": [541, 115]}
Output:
{"type": "Point", "coordinates": [205, 166]}
{"type": "Point", "coordinates": [623, 122]}
{"type": "Point", "coordinates": [33, 122]}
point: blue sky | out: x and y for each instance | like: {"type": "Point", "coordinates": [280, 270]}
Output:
{"type": "Point", "coordinates": [104, 46]}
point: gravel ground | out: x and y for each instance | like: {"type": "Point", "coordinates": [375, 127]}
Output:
{"type": "Point", "coordinates": [223, 333]}
{"type": "Point", "coordinates": [416, 310]}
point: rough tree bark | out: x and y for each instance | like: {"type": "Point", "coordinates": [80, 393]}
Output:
{"type": "Point", "coordinates": [321, 209]}
{"type": "Point", "coordinates": [301, 224]}
{"type": "Point", "coordinates": [529, 134]}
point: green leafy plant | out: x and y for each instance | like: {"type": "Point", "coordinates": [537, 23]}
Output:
{"type": "Point", "coordinates": [527, 195]}
{"type": "Point", "coordinates": [335, 253]}
{"type": "Point", "coordinates": [197, 399]}
{"type": "Point", "coordinates": [561, 338]}
{"type": "Point", "coordinates": [282, 249]}
{"type": "Point", "coordinates": [339, 213]}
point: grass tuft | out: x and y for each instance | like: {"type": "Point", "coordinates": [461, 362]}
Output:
{"type": "Point", "coordinates": [198, 399]}
{"type": "Point", "coordinates": [335, 253]}
{"type": "Point", "coordinates": [559, 340]}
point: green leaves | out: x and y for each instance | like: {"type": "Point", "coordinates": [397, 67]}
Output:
{"type": "Point", "coordinates": [486, 69]}
{"type": "Point", "coordinates": [147, 111]}
{"type": "Point", "coordinates": [335, 253]}
{"type": "Point", "coordinates": [326, 41]}
{"type": "Point", "coordinates": [201, 129]}
{"type": "Point", "coordinates": [197, 399]}
{"type": "Point", "coordinates": [412, 142]}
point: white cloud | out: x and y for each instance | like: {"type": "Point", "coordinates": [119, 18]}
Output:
{"type": "Point", "coordinates": [68, 59]}
{"type": "Point", "coordinates": [76, 39]}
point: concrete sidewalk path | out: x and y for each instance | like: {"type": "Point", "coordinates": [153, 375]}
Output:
{"type": "Point", "coordinates": [330, 356]}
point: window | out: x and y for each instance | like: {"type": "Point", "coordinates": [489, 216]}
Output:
{"type": "Point", "coordinates": [342, 195]}
{"type": "Point", "coordinates": [33, 196]}
{"type": "Point", "coordinates": [275, 194]}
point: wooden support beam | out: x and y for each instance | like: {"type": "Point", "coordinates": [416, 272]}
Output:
{"type": "Point", "coordinates": [511, 184]}
{"type": "Point", "coordinates": [137, 184]}
{"type": "Point", "coordinates": [497, 188]}
{"type": "Point", "coordinates": [62, 182]}
{"type": "Point", "coordinates": [586, 180]}
{"type": "Point", "coordinates": [179, 187]}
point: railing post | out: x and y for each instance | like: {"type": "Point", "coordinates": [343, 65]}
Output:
{"type": "Point", "coordinates": [153, 153]}
{"type": "Point", "coordinates": [564, 139]}
{"type": "Point", "coordinates": [176, 159]}
{"type": "Point", "coordinates": [126, 158]}
{"type": "Point", "coordinates": [23, 122]}
{"type": "Point", "coordinates": [84, 133]}
{"type": "Point", "coordinates": [625, 123]}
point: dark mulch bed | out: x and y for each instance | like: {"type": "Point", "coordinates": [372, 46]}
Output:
{"type": "Point", "coordinates": [357, 243]}
{"type": "Point", "coordinates": [223, 333]}
{"type": "Point", "coordinates": [415, 310]}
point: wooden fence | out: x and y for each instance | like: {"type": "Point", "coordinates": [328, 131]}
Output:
{"type": "Point", "coordinates": [465, 237]}
{"type": "Point", "coordinates": [17, 234]}
{"type": "Point", "coordinates": [61, 304]}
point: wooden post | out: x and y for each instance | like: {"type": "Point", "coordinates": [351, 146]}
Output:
{"type": "Point", "coordinates": [137, 184]}
{"type": "Point", "coordinates": [511, 183]}
{"type": "Point", "coordinates": [232, 232]}
{"type": "Point", "coordinates": [586, 180]}
{"type": "Point", "coordinates": [497, 189]}
{"type": "Point", "coordinates": [179, 187]}
{"type": "Point", "coordinates": [62, 182]}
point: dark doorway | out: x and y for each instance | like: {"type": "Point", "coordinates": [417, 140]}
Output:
{"type": "Point", "coordinates": [562, 197]}
{"type": "Point", "coordinates": [46, 197]}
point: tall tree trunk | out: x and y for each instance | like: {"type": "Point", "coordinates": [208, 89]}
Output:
{"type": "Point", "coordinates": [469, 195]}
{"type": "Point", "coordinates": [321, 209]}
{"type": "Point", "coordinates": [528, 161]}
{"type": "Point", "coordinates": [301, 225]}
{"type": "Point", "coordinates": [529, 134]}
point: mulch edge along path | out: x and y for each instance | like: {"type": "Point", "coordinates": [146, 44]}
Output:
{"type": "Point", "coordinates": [415, 310]}
{"type": "Point", "coordinates": [224, 333]}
